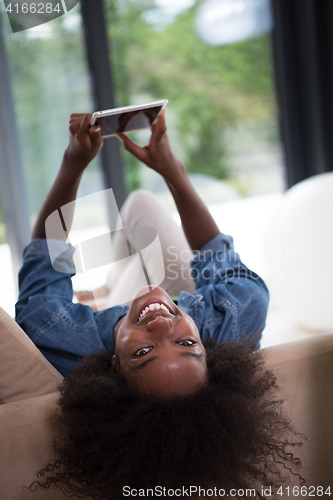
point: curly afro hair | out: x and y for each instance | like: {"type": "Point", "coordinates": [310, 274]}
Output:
{"type": "Point", "coordinates": [230, 434]}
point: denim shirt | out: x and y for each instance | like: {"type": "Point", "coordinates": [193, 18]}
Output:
{"type": "Point", "coordinates": [229, 301]}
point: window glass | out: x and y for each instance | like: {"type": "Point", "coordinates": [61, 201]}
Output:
{"type": "Point", "coordinates": [222, 112]}
{"type": "Point", "coordinates": [3, 238]}
{"type": "Point", "coordinates": [50, 80]}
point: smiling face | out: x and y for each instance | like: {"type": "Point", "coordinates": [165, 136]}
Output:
{"type": "Point", "coordinates": [158, 350]}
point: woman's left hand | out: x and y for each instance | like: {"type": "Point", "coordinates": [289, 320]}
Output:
{"type": "Point", "coordinates": [158, 154]}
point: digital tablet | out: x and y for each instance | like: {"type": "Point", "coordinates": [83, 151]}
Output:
{"type": "Point", "coordinates": [128, 118]}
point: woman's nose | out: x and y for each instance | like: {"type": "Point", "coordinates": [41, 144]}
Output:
{"type": "Point", "coordinates": [160, 325]}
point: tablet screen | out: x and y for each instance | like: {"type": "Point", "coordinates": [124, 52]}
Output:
{"type": "Point", "coordinates": [128, 121]}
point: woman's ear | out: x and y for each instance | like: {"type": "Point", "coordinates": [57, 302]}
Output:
{"type": "Point", "coordinates": [114, 365]}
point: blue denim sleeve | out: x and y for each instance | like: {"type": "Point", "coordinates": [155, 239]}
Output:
{"type": "Point", "coordinates": [63, 331]}
{"type": "Point", "coordinates": [37, 277]}
{"type": "Point", "coordinates": [235, 298]}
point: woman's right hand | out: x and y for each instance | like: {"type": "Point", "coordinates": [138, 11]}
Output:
{"type": "Point", "coordinates": [157, 155]}
{"type": "Point", "coordinates": [85, 142]}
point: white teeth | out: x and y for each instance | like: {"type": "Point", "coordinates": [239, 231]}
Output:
{"type": "Point", "coordinates": [156, 306]}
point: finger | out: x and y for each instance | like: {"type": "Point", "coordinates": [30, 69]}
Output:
{"type": "Point", "coordinates": [95, 135]}
{"type": "Point", "coordinates": [76, 117]}
{"type": "Point", "coordinates": [74, 127]}
{"type": "Point", "coordinates": [75, 122]}
{"type": "Point", "coordinates": [159, 127]}
{"type": "Point", "coordinates": [136, 150]}
{"type": "Point", "coordinates": [82, 132]}
{"type": "Point", "coordinates": [94, 129]}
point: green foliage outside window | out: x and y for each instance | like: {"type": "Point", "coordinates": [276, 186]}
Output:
{"type": "Point", "coordinates": [209, 89]}
{"type": "Point", "coordinates": [49, 77]}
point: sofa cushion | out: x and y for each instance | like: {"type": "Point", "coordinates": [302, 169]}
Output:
{"type": "Point", "coordinates": [24, 371]}
{"type": "Point", "coordinates": [27, 428]}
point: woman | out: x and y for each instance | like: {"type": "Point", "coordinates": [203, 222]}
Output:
{"type": "Point", "coordinates": [175, 395]}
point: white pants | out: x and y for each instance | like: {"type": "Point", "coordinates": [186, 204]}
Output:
{"type": "Point", "coordinates": [167, 265]}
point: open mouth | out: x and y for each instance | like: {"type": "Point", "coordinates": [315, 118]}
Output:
{"type": "Point", "coordinates": [153, 305]}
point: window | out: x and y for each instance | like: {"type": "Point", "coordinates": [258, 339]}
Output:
{"type": "Point", "coordinates": [3, 238]}
{"type": "Point", "coordinates": [222, 115]}
{"type": "Point", "coordinates": [50, 80]}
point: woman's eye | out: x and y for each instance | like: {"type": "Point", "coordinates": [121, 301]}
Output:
{"type": "Point", "coordinates": [142, 352]}
{"type": "Point", "coordinates": [187, 342]}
